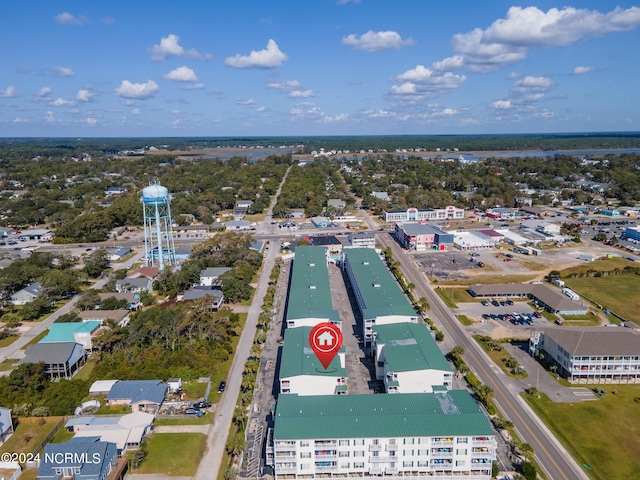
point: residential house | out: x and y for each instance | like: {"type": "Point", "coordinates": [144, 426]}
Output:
{"type": "Point", "coordinates": [136, 285]}
{"type": "Point", "coordinates": [126, 431]}
{"type": "Point", "coordinates": [114, 191]}
{"type": "Point", "coordinates": [209, 276]}
{"type": "Point", "coordinates": [61, 360]}
{"type": "Point", "coordinates": [148, 272]}
{"type": "Point", "coordinates": [384, 196]}
{"type": "Point", "coordinates": [201, 291]}
{"type": "Point", "coordinates": [27, 294]}
{"type": "Point", "coordinates": [132, 298]}
{"type": "Point", "coordinates": [120, 316]}
{"type": "Point", "coordinates": [336, 204]}
{"type": "Point", "coordinates": [6, 424]}
{"type": "Point", "coordinates": [81, 458]}
{"type": "Point", "coordinates": [78, 332]}
{"type": "Point", "coordinates": [140, 395]}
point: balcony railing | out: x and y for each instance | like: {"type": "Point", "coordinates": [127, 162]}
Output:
{"type": "Point", "coordinates": [375, 448]}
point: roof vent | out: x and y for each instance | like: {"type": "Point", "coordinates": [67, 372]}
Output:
{"type": "Point", "coordinates": [365, 263]}
{"type": "Point", "coordinates": [312, 264]}
{"type": "Point", "coordinates": [376, 285]}
{"type": "Point", "coordinates": [312, 287]}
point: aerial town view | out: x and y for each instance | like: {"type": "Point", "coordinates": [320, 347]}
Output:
{"type": "Point", "coordinates": [341, 239]}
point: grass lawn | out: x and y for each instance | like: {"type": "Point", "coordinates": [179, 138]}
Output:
{"type": "Point", "coordinates": [194, 390]}
{"type": "Point", "coordinates": [618, 294]}
{"type": "Point", "coordinates": [36, 339]}
{"type": "Point", "coordinates": [29, 435]}
{"type": "Point", "coordinates": [8, 364]}
{"type": "Point", "coordinates": [5, 342]}
{"type": "Point", "coordinates": [497, 353]}
{"type": "Point", "coordinates": [62, 436]}
{"type": "Point", "coordinates": [192, 420]}
{"type": "Point", "coordinates": [588, 320]}
{"type": "Point", "coordinates": [85, 371]}
{"type": "Point", "coordinates": [174, 454]}
{"type": "Point", "coordinates": [464, 320]}
{"type": "Point", "coordinates": [604, 434]}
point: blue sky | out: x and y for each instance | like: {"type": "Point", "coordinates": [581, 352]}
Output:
{"type": "Point", "coordinates": [316, 67]}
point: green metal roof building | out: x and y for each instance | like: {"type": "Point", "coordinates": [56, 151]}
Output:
{"type": "Point", "coordinates": [302, 373]}
{"type": "Point", "coordinates": [379, 296]}
{"type": "Point", "coordinates": [408, 359]}
{"type": "Point", "coordinates": [451, 414]}
{"type": "Point", "coordinates": [309, 291]}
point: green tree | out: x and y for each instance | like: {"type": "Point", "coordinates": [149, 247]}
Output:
{"type": "Point", "coordinates": [528, 470]}
{"type": "Point", "coordinates": [96, 263]}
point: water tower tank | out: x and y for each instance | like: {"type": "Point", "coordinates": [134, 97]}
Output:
{"type": "Point", "coordinates": [154, 194]}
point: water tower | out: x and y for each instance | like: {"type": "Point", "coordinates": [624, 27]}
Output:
{"type": "Point", "coordinates": [159, 248]}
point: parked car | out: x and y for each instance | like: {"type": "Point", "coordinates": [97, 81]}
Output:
{"type": "Point", "coordinates": [202, 404]}
{"type": "Point", "coordinates": [222, 386]}
{"type": "Point", "coordinates": [484, 302]}
{"type": "Point", "coordinates": [495, 303]}
{"type": "Point", "coordinates": [192, 411]}
{"type": "Point", "coordinates": [537, 314]}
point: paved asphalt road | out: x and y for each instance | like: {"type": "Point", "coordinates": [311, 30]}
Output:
{"type": "Point", "coordinates": [217, 437]}
{"type": "Point", "coordinates": [550, 454]}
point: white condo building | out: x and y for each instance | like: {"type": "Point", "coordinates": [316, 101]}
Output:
{"type": "Point", "coordinates": [421, 435]}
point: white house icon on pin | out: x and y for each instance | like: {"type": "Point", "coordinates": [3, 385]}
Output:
{"type": "Point", "coordinates": [326, 339]}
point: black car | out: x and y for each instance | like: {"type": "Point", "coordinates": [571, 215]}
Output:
{"type": "Point", "coordinates": [495, 303]}
{"type": "Point", "coordinates": [202, 405]}
{"type": "Point", "coordinates": [222, 386]}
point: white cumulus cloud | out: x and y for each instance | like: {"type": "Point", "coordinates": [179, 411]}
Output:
{"type": "Point", "coordinates": [423, 82]}
{"type": "Point", "coordinates": [67, 18]}
{"type": "Point", "coordinates": [533, 84]}
{"type": "Point", "coordinates": [509, 39]}
{"type": "Point", "coordinates": [137, 90]}
{"type": "Point", "coordinates": [293, 88]}
{"type": "Point", "coordinates": [169, 46]}
{"type": "Point", "coordinates": [61, 102]}
{"type": "Point", "coordinates": [84, 95]}
{"type": "Point", "coordinates": [248, 102]}
{"type": "Point", "coordinates": [502, 104]}
{"type": "Point", "coordinates": [44, 92]}
{"type": "Point", "coordinates": [376, 41]}
{"type": "Point", "coordinates": [580, 70]}
{"type": "Point", "coordinates": [9, 92]}
{"type": "Point", "coordinates": [300, 93]}
{"type": "Point", "coordinates": [270, 57]}
{"type": "Point", "coordinates": [195, 86]}
{"type": "Point", "coordinates": [59, 71]}
{"type": "Point", "coordinates": [181, 74]}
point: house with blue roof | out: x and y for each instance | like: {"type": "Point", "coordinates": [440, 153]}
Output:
{"type": "Point", "coordinates": [139, 395]}
{"type": "Point", "coordinates": [78, 332]}
{"type": "Point", "coordinates": [6, 425]}
{"type": "Point", "coordinates": [79, 458]}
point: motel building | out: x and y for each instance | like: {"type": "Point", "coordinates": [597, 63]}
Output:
{"type": "Point", "coordinates": [441, 435]}
{"type": "Point", "coordinates": [414, 215]}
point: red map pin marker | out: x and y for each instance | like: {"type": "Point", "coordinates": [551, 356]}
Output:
{"type": "Point", "coordinates": [325, 340]}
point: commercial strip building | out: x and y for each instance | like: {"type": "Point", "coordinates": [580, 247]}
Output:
{"type": "Point", "coordinates": [309, 300]}
{"type": "Point", "coordinates": [302, 373]}
{"type": "Point", "coordinates": [380, 300]}
{"type": "Point", "coordinates": [408, 360]}
{"type": "Point", "coordinates": [632, 233]}
{"type": "Point", "coordinates": [591, 355]}
{"type": "Point", "coordinates": [421, 236]}
{"type": "Point", "coordinates": [547, 297]}
{"type": "Point", "coordinates": [413, 214]}
{"type": "Point", "coordinates": [421, 435]}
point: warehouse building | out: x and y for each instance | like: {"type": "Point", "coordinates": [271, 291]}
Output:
{"type": "Point", "coordinates": [379, 297]}
{"type": "Point", "coordinates": [417, 435]}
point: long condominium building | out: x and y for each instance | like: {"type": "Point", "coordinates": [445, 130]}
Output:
{"type": "Point", "coordinates": [413, 214]}
{"type": "Point", "coordinates": [309, 301]}
{"type": "Point", "coordinates": [408, 360]}
{"type": "Point", "coordinates": [421, 435]}
{"type": "Point", "coordinates": [379, 297]}
{"type": "Point", "coordinates": [301, 372]}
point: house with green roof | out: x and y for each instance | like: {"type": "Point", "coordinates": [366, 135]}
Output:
{"type": "Point", "coordinates": [418, 435]}
{"type": "Point", "coordinates": [380, 299]}
{"type": "Point", "coordinates": [309, 301]}
{"type": "Point", "coordinates": [78, 332]}
{"type": "Point", "coordinates": [408, 359]}
{"type": "Point", "coordinates": [302, 373]}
